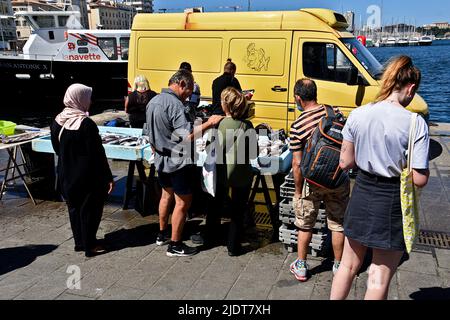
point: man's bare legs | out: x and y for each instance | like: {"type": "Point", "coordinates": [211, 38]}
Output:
{"type": "Point", "coordinates": [182, 204]}
{"type": "Point", "coordinates": [165, 205]}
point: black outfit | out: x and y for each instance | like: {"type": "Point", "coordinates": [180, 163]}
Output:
{"type": "Point", "coordinates": [137, 103]}
{"type": "Point", "coordinates": [83, 175]}
{"type": "Point", "coordinates": [380, 224]}
{"type": "Point", "coordinates": [238, 206]}
{"type": "Point", "coordinates": [219, 84]}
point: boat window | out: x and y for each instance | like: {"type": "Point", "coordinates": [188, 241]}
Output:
{"type": "Point", "coordinates": [109, 47]}
{"type": "Point", "coordinates": [325, 61]}
{"type": "Point", "coordinates": [365, 57]}
{"type": "Point", "coordinates": [83, 50]}
{"type": "Point", "coordinates": [45, 21]}
{"type": "Point", "coordinates": [82, 43]}
{"type": "Point", "coordinates": [24, 76]}
{"type": "Point", "coordinates": [51, 35]}
{"type": "Point", "coordinates": [62, 20]}
{"type": "Point", "coordinates": [47, 76]}
{"type": "Point", "coordinates": [124, 45]}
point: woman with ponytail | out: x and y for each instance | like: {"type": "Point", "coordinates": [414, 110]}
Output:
{"type": "Point", "coordinates": [376, 142]}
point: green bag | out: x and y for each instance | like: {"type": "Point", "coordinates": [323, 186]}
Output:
{"type": "Point", "coordinates": [410, 194]}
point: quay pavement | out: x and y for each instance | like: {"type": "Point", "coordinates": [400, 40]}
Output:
{"type": "Point", "coordinates": [37, 260]}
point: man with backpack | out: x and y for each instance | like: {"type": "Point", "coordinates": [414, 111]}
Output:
{"type": "Point", "coordinates": [315, 140]}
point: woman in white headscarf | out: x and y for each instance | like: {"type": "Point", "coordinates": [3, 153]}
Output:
{"type": "Point", "coordinates": [84, 175]}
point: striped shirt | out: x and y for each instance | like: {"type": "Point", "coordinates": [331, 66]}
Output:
{"type": "Point", "coordinates": [303, 127]}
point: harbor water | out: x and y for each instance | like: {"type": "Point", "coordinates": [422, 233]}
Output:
{"type": "Point", "coordinates": [434, 62]}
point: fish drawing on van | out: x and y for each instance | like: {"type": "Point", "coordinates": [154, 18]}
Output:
{"type": "Point", "coordinates": [256, 58]}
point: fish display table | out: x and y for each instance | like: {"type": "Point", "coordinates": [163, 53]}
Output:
{"type": "Point", "coordinates": [13, 149]}
{"type": "Point", "coordinates": [132, 153]}
{"type": "Point", "coordinates": [275, 166]}
{"type": "Point", "coordinates": [112, 151]}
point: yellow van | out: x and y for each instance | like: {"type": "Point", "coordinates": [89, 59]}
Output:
{"type": "Point", "coordinates": [271, 50]}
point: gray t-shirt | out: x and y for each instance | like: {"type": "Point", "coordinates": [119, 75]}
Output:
{"type": "Point", "coordinates": [167, 126]}
{"type": "Point", "coordinates": [380, 134]}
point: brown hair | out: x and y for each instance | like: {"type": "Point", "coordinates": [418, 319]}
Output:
{"type": "Point", "coordinates": [235, 102]}
{"type": "Point", "coordinates": [229, 66]}
{"type": "Point", "coordinates": [398, 73]}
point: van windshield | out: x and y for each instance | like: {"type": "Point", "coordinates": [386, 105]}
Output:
{"type": "Point", "coordinates": [368, 61]}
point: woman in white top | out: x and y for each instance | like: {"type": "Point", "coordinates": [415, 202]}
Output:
{"type": "Point", "coordinates": [376, 141]}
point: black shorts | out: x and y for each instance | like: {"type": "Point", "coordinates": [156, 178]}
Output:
{"type": "Point", "coordinates": [181, 181]}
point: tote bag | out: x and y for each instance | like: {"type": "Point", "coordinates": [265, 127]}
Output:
{"type": "Point", "coordinates": [410, 194]}
{"type": "Point", "coordinates": [209, 170]}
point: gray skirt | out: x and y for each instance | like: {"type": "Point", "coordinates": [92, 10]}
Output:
{"type": "Point", "coordinates": [374, 217]}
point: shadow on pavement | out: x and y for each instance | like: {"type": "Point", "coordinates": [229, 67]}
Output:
{"type": "Point", "coordinates": [19, 257]}
{"type": "Point", "coordinates": [140, 236]}
{"type": "Point", "coordinates": [326, 265]}
{"type": "Point", "coordinates": [129, 238]}
{"type": "Point", "coordinates": [434, 293]}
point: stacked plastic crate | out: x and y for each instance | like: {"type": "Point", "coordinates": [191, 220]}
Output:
{"type": "Point", "coordinates": [288, 231]}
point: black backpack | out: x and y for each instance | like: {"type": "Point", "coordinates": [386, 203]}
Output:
{"type": "Point", "coordinates": [320, 160]}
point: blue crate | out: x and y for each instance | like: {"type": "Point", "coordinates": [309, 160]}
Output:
{"type": "Point", "coordinates": [274, 164]}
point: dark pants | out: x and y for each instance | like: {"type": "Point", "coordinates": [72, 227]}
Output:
{"type": "Point", "coordinates": [85, 213]}
{"type": "Point", "coordinates": [239, 203]}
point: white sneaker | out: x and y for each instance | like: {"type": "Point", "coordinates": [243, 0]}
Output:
{"type": "Point", "coordinates": [299, 269]}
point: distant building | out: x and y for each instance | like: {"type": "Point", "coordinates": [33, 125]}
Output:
{"type": "Point", "coordinates": [23, 29]}
{"type": "Point", "coordinates": [110, 15]}
{"type": "Point", "coordinates": [399, 28]}
{"type": "Point", "coordinates": [74, 5]}
{"type": "Point", "coordinates": [141, 6]}
{"type": "Point", "coordinates": [8, 37]}
{"type": "Point", "coordinates": [350, 17]}
{"type": "Point", "coordinates": [439, 25]}
{"type": "Point", "coordinates": [442, 25]}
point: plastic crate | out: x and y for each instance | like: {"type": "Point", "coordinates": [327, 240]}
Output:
{"type": "Point", "coordinates": [317, 246]}
{"type": "Point", "coordinates": [7, 128]}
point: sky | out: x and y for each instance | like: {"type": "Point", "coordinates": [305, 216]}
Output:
{"type": "Point", "coordinates": [418, 12]}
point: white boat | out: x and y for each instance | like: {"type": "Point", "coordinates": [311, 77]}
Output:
{"type": "Point", "coordinates": [425, 41]}
{"type": "Point", "coordinates": [391, 42]}
{"type": "Point", "coordinates": [414, 41]}
{"type": "Point", "coordinates": [403, 42]}
{"type": "Point", "coordinates": [59, 53]}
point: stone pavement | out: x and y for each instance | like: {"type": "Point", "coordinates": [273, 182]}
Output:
{"type": "Point", "coordinates": [37, 260]}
